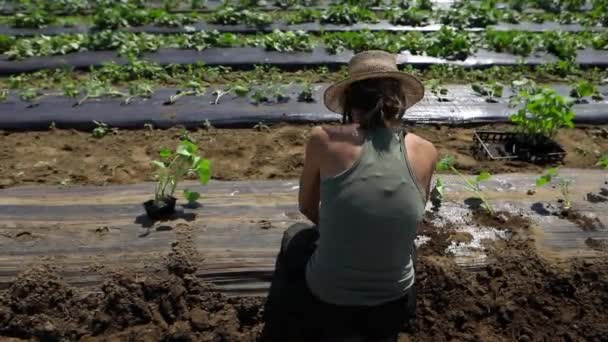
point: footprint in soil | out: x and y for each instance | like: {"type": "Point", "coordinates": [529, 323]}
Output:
{"type": "Point", "coordinates": [597, 244]}
{"type": "Point", "coordinates": [584, 221]}
{"type": "Point", "coordinates": [147, 222]}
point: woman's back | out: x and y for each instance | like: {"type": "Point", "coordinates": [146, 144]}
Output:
{"type": "Point", "coordinates": [368, 220]}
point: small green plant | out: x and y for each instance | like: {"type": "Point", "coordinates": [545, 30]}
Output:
{"type": "Point", "coordinates": [193, 88]}
{"type": "Point", "coordinates": [492, 90]}
{"type": "Point", "coordinates": [438, 90]}
{"type": "Point", "coordinates": [102, 129]}
{"type": "Point", "coordinates": [603, 161]}
{"type": "Point", "coordinates": [289, 41]}
{"type": "Point", "coordinates": [409, 17]}
{"type": "Point", "coordinates": [173, 167]}
{"type": "Point", "coordinates": [472, 185]}
{"type": "Point", "coordinates": [232, 16]}
{"type": "Point", "coordinates": [307, 93]}
{"type": "Point", "coordinates": [347, 15]}
{"type": "Point", "coordinates": [583, 89]}
{"type": "Point", "coordinates": [305, 15]}
{"type": "Point", "coordinates": [563, 184]}
{"type": "Point", "coordinates": [543, 113]}
{"type": "Point", "coordinates": [35, 18]}
{"type": "Point", "coordinates": [192, 197]}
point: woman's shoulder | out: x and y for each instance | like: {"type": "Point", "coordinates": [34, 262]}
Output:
{"type": "Point", "coordinates": [330, 133]}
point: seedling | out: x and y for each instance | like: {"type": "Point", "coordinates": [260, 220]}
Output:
{"type": "Point", "coordinates": [218, 93]}
{"type": "Point", "coordinates": [139, 89]}
{"type": "Point", "coordinates": [307, 93]}
{"type": "Point", "coordinates": [96, 89]}
{"type": "Point", "coordinates": [491, 90]}
{"type": "Point", "coordinates": [261, 127]}
{"type": "Point", "coordinates": [192, 197]}
{"type": "Point", "coordinates": [3, 95]}
{"type": "Point", "coordinates": [543, 113]}
{"type": "Point", "coordinates": [171, 169]}
{"type": "Point", "coordinates": [583, 89]}
{"type": "Point", "coordinates": [603, 162]}
{"type": "Point", "coordinates": [563, 184]}
{"type": "Point", "coordinates": [196, 89]}
{"type": "Point", "coordinates": [438, 90]}
{"type": "Point", "coordinates": [240, 90]}
{"type": "Point", "coordinates": [437, 194]}
{"type": "Point", "coordinates": [472, 185]}
{"type": "Point", "coordinates": [102, 129]}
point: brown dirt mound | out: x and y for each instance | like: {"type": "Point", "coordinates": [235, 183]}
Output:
{"type": "Point", "coordinates": [70, 157]}
{"type": "Point", "coordinates": [517, 297]}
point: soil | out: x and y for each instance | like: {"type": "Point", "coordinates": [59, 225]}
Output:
{"type": "Point", "coordinates": [71, 157]}
{"type": "Point", "coordinates": [585, 221]}
{"type": "Point", "coordinates": [518, 297]}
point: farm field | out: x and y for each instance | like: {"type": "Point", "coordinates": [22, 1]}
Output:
{"type": "Point", "coordinates": [100, 99]}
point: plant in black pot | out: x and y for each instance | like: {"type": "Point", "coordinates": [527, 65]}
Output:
{"type": "Point", "coordinates": [172, 168]}
{"type": "Point", "coordinates": [542, 113]}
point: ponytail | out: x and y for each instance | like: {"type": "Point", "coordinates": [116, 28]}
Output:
{"type": "Point", "coordinates": [377, 101]}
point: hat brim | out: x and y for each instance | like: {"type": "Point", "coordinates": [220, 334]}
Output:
{"type": "Point", "coordinates": [412, 87]}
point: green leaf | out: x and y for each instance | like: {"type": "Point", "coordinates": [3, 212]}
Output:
{"type": "Point", "coordinates": [186, 148]}
{"type": "Point", "coordinates": [158, 164]}
{"type": "Point", "coordinates": [165, 153]}
{"type": "Point", "coordinates": [191, 196]}
{"type": "Point", "coordinates": [445, 163]}
{"type": "Point", "coordinates": [483, 176]}
{"type": "Point", "coordinates": [439, 186]}
{"type": "Point", "coordinates": [204, 171]}
{"type": "Point", "coordinates": [603, 162]}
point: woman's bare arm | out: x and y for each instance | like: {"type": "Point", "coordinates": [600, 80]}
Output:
{"type": "Point", "coordinates": [310, 180]}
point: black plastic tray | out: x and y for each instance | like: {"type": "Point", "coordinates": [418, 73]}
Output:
{"type": "Point", "coordinates": [494, 145]}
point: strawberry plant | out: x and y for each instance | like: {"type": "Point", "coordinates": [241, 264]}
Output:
{"type": "Point", "coordinates": [232, 16]}
{"type": "Point", "coordinates": [563, 184]}
{"type": "Point", "coordinates": [409, 17]}
{"type": "Point", "coordinates": [583, 89]}
{"type": "Point", "coordinates": [290, 41]}
{"type": "Point", "coordinates": [470, 15]}
{"type": "Point", "coordinates": [171, 169]}
{"type": "Point", "coordinates": [603, 161]}
{"type": "Point", "coordinates": [472, 185]}
{"type": "Point", "coordinates": [305, 15]}
{"type": "Point", "coordinates": [449, 43]}
{"type": "Point", "coordinates": [307, 93]}
{"type": "Point", "coordinates": [542, 114]}
{"type": "Point", "coordinates": [35, 18]}
{"type": "Point", "coordinates": [193, 88]}
{"type": "Point", "coordinates": [347, 15]}
{"type": "Point", "coordinates": [438, 90]}
{"type": "Point", "coordinates": [492, 90]}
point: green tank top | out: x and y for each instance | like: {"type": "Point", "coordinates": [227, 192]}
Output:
{"type": "Point", "coordinates": [367, 225]}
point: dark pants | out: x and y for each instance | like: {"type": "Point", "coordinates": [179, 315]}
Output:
{"type": "Point", "coordinates": [293, 313]}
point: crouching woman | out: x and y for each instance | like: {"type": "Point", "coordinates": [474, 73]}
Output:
{"type": "Point", "coordinates": [364, 185]}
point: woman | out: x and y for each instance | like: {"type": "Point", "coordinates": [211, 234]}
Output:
{"type": "Point", "coordinates": [364, 185]}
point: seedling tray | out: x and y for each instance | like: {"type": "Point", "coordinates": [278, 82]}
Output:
{"type": "Point", "coordinates": [496, 145]}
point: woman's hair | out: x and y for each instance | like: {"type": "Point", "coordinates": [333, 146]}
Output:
{"type": "Point", "coordinates": [376, 101]}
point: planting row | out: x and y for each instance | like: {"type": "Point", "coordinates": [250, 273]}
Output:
{"type": "Point", "coordinates": [42, 7]}
{"type": "Point", "coordinates": [446, 43]}
{"type": "Point", "coordinates": [246, 58]}
{"type": "Point", "coordinates": [183, 76]}
{"type": "Point", "coordinates": [249, 104]}
{"type": "Point", "coordinates": [123, 16]}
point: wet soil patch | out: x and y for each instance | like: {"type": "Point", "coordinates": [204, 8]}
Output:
{"type": "Point", "coordinates": [503, 220]}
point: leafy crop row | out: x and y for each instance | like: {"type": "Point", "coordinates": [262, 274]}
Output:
{"type": "Point", "coordinates": [461, 15]}
{"type": "Point", "coordinates": [179, 75]}
{"type": "Point", "coordinates": [447, 42]}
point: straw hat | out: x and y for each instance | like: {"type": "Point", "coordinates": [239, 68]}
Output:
{"type": "Point", "coordinates": [373, 64]}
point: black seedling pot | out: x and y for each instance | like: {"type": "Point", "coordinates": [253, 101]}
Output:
{"type": "Point", "coordinates": [158, 210]}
